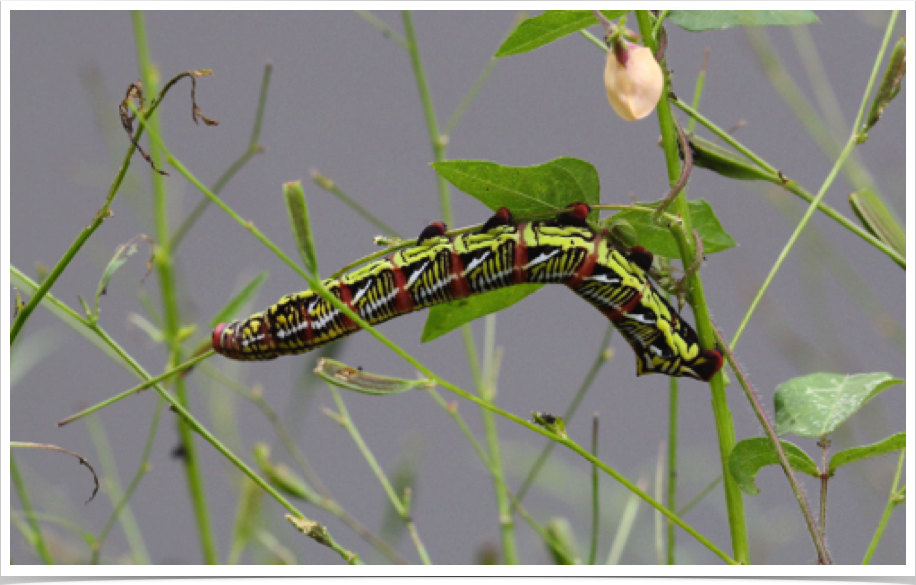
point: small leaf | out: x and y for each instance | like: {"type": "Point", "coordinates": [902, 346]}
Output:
{"type": "Point", "coordinates": [889, 88]}
{"type": "Point", "coordinates": [562, 546]}
{"type": "Point", "coordinates": [445, 318]}
{"type": "Point", "coordinates": [524, 190]}
{"type": "Point", "coordinates": [815, 405]}
{"type": "Point", "coordinates": [751, 455]}
{"type": "Point", "coordinates": [231, 309]}
{"type": "Point", "coordinates": [700, 20]}
{"type": "Point", "coordinates": [888, 445]}
{"type": "Point", "coordinates": [299, 222]}
{"type": "Point", "coordinates": [281, 476]}
{"type": "Point", "coordinates": [878, 219]}
{"type": "Point", "coordinates": [543, 29]}
{"type": "Point", "coordinates": [658, 239]}
{"type": "Point", "coordinates": [123, 252]}
{"type": "Point", "coordinates": [343, 376]}
{"type": "Point", "coordinates": [720, 160]}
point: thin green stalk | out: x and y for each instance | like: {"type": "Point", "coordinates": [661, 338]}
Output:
{"type": "Point", "coordinates": [659, 493]}
{"type": "Point", "coordinates": [121, 510]}
{"type": "Point", "coordinates": [331, 187]}
{"type": "Point", "coordinates": [793, 186]}
{"type": "Point", "coordinates": [254, 147]}
{"type": "Point", "coordinates": [596, 499]}
{"type": "Point", "coordinates": [481, 79]}
{"type": "Point", "coordinates": [724, 427]}
{"type": "Point", "coordinates": [600, 359]}
{"type": "Point", "coordinates": [850, 145]}
{"type": "Point", "coordinates": [141, 386]}
{"type": "Point", "coordinates": [116, 494]}
{"type": "Point", "coordinates": [699, 497]}
{"type": "Point", "coordinates": [622, 535]}
{"type": "Point", "coordinates": [41, 547]}
{"type": "Point", "coordinates": [383, 28]}
{"type": "Point", "coordinates": [698, 89]}
{"type": "Point", "coordinates": [164, 263]}
{"type": "Point", "coordinates": [319, 288]}
{"type": "Point", "coordinates": [888, 510]}
{"type": "Point", "coordinates": [671, 501]}
{"type": "Point", "coordinates": [394, 498]}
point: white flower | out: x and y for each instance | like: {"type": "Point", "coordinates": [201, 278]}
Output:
{"type": "Point", "coordinates": [633, 79]}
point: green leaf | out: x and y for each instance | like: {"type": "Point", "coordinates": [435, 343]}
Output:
{"type": "Point", "coordinates": [814, 405]}
{"type": "Point", "coordinates": [343, 376]}
{"type": "Point", "coordinates": [231, 309]}
{"type": "Point", "coordinates": [538, 31]}
{"type": "Point", "coordinates": [722, 161]}
{"type": "Point", "coordinates": [562, 546]}
{"type": "Point", "coordinates": [524, 190]}
{"type": "Point", "coordinates": [889, 88]}
{"type": "Point", "coordinates": [878, 219]}
{"type": "Point", "coordinates": [445, 318]}
{"type": "Point", "coordinates": [700, 20]}
{"type": "Point", "coordinates": [298, 212]}
{"type": "Point", "coordinates": [751, 455]}
{"type": "Point", "coordinates": [122, 253]}
{"type": "Point", "coordinates": [658, 239]}
{"type": "Point", "coordinates": [888, 445]}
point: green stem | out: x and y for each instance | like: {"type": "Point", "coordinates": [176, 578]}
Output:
{"type": "Point", "coordinates": [382, 28]}
{"type": "Point", "coordinates": [596, 499]}
{"type": "Point", "coordinates": [394, 498]}
{"type": "Point", "coordinates": [331, 187]}
{"type": "Point", "coordinates": [671, 502]}
{"type": "Point", "coordinates": [888, 510]}
{"type": "Point", "coordinates": [121, 509]}
{"type": "Point", "coordinates": [699, 497]}
{"type": "Point", "coordinates": [724, 427]}
{"type": "Point", "coordinates": [850, 145]}
{"type": "Point", "coordinates": [41, 547]}
{"type": "Point", "coordinates": [172, 323]}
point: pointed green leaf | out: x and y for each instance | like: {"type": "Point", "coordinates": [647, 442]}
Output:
{"type": "Point", "coordinates": [343, 376]}
{"type": "Point", "coordinates": [231, 309]}
{"type": "Point", "coordinates": [751, 455]}
{"type": "Point", "coordinates": [445, 318]}
{"type": "Point", "coordinates": [700, 20]}
{"type": "Point", "coordinates": [889, 88]}
{"type": "Point", "coordinates": [878, 219]}
{"type": "Point", "coordinates": [814, 405]}
{"type": "Point", "coordinates": [123, 252]}
{"type": "Point", "coordinates": [888, 445]}
{"type": "Point", "coordinates": [524, 190]}
{"type": "Point", "coordinates": [562, 545]}
{"type": "Point", "coordinates": [543, 29]}
{"type": "Point", "coordinates": [299, 221]}
{"type": "Point", "coordinates": [722, 161]}
{"type": "Point", "coordinates": [281, 476]}
{"type": "Point", "coordinates": [658, 239]}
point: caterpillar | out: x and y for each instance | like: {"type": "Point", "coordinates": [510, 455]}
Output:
{"type": "Point", "coordinates": [439, 269]}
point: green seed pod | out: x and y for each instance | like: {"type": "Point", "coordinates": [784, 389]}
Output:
{"type": "Point", "coordinates": [709, 155]}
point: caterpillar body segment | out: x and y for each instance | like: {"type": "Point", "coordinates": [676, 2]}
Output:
{"type": "Point", "coordinates": [440, 269]}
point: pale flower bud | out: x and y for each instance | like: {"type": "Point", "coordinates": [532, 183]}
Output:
{"type": "Point", "coordinates": [633, 79]}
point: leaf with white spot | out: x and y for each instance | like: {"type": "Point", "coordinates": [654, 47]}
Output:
{"type": "Point", "coordinates": [815, 405]}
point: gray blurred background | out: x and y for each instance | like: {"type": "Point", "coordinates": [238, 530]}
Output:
{"type": "Point", "coordinates": [343, 99]}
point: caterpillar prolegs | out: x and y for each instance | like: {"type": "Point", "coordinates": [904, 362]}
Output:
{"type": "Point", "coordinates": [439, 269]}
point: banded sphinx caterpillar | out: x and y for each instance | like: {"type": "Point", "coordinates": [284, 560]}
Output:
{"type": "Point", "coordinates": [439, 269]}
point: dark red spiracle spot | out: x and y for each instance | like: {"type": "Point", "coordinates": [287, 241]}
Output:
{"type": "Point", "coordinates": [434, 230]}
{"type": "Point", "coordinates": [580, 210]}
{"type": "Point", "coordinates": [502, 217]}
{"type": "Point", "coordinates": [640, 257]}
